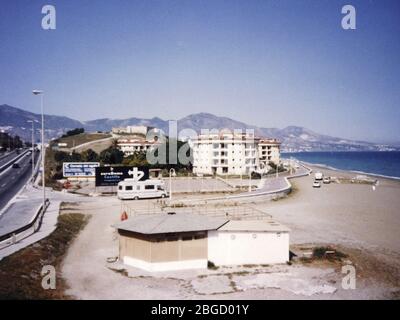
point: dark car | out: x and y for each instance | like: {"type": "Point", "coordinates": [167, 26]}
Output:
{"type": "Point", "coordinates": [16, 166]}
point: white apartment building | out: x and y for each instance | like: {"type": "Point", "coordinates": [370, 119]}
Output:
{"type": "Point", "coordinates": [232, 154]}
{"type": "Point", "coordinates": [142, 130]}
{"type": "Point", "coordinates": [130, 146]}
{"type": "Point", "coordinates": [269, 150]}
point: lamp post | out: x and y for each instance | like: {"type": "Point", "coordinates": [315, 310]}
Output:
{"type": "Point", "coordinates": [33, 146]}
{"type": "Point", "coordinates": [172, 173]}
{"type": "Point", "coordinates": [41, 94]}
{"type": "Point", "coordinates": [250, 181]}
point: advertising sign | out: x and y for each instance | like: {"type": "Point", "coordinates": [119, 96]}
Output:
{"type": "Point", "coordinates": [80, 169]}
{"type": "Point", "coordinates": [110, 176]}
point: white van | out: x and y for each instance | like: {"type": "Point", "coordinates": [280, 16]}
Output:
{"type": "Point", "coordinates": [319, 176]}
{"type": "Point", "coordinates": [131, 189]}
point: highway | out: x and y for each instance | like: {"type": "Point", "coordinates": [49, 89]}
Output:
{"type": "Point", "coordinates": [13, 179]}
{"type": "Point", "coordinates": [5, 157]}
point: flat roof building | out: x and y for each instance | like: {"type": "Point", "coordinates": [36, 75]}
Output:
{"type": "Point", "coordinates": [175, 241]}
{"type": "Point", "coordinates": [164, 242]}
{"type": "Point", "coordinates": [240, 242]}
{"type": "Point", "coordinates": [130, 146]}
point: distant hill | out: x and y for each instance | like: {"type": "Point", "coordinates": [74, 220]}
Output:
{"type": "Point", "coordinates": [293, 138]}
{"type": "Point", "coordinates": [15, 120]}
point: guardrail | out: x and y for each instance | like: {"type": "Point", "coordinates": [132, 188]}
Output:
{"type": "Point", "coordinates": [5, 155]}
{"type": "Point", "coordinates": [9, 163]}
{"type": "Point", "coordinates": [21, 233]}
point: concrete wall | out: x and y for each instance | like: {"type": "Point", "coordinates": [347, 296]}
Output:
{"type": "Point", "coordinates": [164, 252]}
{"type": "Point", "coordinates": [238, 248]}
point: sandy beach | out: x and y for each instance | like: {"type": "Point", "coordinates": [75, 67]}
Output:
{"type": "Point", "coordinates": [362, 222]}
{"type": "Point", "coordinates": [350, 214]}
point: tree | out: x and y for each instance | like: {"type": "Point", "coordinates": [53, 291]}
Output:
{"type": "Point", "coordinates": [60, 156]}
{"type": "Point", "coordinates": [74, 132]}
{"type": "Point", "coordinates": [90, 156]}
{"type": "Point", "coordinates": [138, 159]}
{"type": "Point", "coordinates": [75, 157]}
{"type": "Point", "coordinates": [112, 155]}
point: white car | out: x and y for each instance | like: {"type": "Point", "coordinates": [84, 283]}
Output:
{"type": "Point", "coordinates": [316, 184]}
{"type": "Point", "coordinates": [327, 180]}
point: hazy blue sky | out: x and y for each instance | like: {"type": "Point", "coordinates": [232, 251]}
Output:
{"type": "Point", "coordinates": [268, 63]}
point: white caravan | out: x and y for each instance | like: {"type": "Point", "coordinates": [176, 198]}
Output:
{"type": "Point", "coordinates": [131, 189]}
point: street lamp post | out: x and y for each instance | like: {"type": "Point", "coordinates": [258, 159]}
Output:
{"type": "Point", "coordinates": [250, 181]}
{"type": "Point", "coordinates": [41, 93]}
{"type": "Point", "coordinates": [33, 146]}
{"type": "Point", "coordinates": [172, 173]}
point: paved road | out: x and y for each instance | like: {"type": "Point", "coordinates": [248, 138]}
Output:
{"type": "Point", "coordinates": [4, 158]}
{"type": "Point", "coordinates": [12, 180]}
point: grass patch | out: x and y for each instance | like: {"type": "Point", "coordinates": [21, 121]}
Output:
{"type": "Point", "coordinates": [78, 139]}
{"type": "Point", "coordinates": [328, 253]}
{"type": "Point", "coordinates": [20, 273]}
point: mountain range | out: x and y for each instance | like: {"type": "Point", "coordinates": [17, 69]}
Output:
{"type": "Point", "coordinates": [293, 138]}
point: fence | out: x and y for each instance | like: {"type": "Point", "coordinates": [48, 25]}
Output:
{"type": "Point", "coordinates": [231, 212]}
{"type": "Point", "coordinates": [33, 226]}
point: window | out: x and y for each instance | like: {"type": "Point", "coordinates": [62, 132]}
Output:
{"type": "Point", "coordinates": [149, 187]}
{"type": "Point", "coordinates": [160, 188]}
{"type": "Point", "coordinates": [128, 188]}
{"type": "Point", "coordinates": [187, 238]}
{"type": "Point", "coordinates": [119, 187]}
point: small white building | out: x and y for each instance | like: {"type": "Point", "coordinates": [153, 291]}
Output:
{"type": "Point", "coordinates": [163, 242]}
{"type": "Point", "coordinates": [141, 130]}
{"type": "Point", "coordinates": [240, 242]}
{"type": "Point", "coordinates": [130, 146]}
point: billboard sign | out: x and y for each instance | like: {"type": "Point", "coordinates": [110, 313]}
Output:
{"type": "Point", "coordinates": [80, 169]}
{"type": "Point", "coordinates": [110, 176]}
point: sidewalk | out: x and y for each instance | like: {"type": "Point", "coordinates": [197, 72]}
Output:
{"type": "Point", "coordinates": [49, 224]}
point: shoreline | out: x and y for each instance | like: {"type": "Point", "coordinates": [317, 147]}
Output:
{"type": "Point", "coordinates": [327, 167]}
{"type": "Point", "coordinates": [368, 174]}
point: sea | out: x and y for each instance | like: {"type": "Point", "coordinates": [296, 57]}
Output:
{"type": "Point", "coordinates": [384, 163]}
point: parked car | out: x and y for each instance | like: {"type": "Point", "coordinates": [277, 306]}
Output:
{"type": "Point", "coordinates": [319, 176]}
{"type": "Point", "coordinates": [316, 184]}
{"type": "Point", "coordinates": [327, 180]}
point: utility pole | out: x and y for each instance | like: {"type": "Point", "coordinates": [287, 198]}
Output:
{"type": "Point", "coordinates": [43, 149]}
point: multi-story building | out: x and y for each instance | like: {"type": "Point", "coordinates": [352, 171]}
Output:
{"type": "Point", "coordinates": [269, 151]}
{"type": "Point", "coordinates": [232, 154]}
{"type": "Point", "coordinates": [130, 146]}
{"type": "Point", "coordinates": [138, 130]}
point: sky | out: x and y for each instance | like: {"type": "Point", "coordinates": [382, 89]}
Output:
{"type": "Point", "coordinates": [268, 63]}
